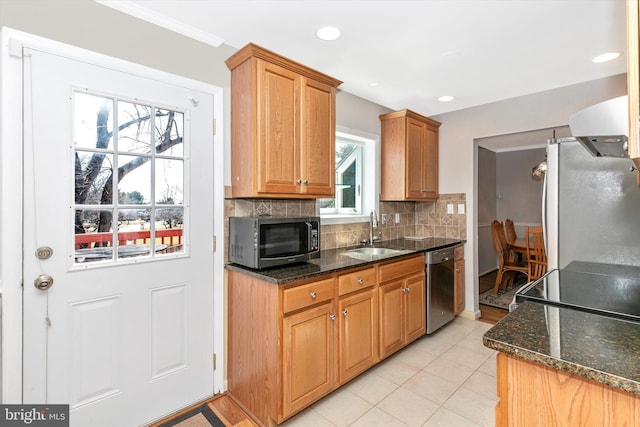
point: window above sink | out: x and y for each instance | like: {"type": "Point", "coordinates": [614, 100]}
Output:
{"type": "Point", "coordinates": [356, 179]}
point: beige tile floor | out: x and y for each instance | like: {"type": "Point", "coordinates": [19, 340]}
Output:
{"type": "Point", "coordinates": [446, 379]}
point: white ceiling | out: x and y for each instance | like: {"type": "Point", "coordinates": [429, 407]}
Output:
{"type": "Point", "coordinates": [479, 51]}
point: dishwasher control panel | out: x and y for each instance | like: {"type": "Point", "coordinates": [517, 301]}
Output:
{"type": "Point", "coordinates": [441, 255]}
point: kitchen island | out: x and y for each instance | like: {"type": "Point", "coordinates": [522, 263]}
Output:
{"type": "Point", "coordinates": [566, 367]}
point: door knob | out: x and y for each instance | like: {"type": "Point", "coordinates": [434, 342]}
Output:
{"type": "Point", "coordinates": [43, 282]}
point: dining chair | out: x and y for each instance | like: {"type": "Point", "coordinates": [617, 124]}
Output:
{"type": "Point", "coordinates": [537, 262]}
{"type": "Point", "coordinates": [510, 230]}
{"type": "Point", "coordinates": [506, 262]}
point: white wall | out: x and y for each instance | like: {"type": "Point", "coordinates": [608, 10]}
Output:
{"type": "Point", "coordinates": [458, 151]}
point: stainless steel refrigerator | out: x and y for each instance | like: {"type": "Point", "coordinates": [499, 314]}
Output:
{"type": "Point", "coordinates": [592, 208]}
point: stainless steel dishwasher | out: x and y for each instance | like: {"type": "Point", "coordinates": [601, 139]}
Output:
{"type": "Point", "coordinates": [439, 270]}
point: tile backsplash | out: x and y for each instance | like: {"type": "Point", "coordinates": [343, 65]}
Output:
{"type": "Point", "coordinates": [428, 219]}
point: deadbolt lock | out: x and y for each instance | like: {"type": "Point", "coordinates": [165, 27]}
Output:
{"type": "Point", "coordinates": [43, 282]}
{"type": "Point", "coordinates": [44, 252]}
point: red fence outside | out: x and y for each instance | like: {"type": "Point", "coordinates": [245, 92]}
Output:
{"type": "Point", "coordinates": [171, 237]}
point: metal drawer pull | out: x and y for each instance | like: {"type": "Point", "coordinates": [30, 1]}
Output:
{"type": "Point", "coordinates": [360, 281]}
{"type": "Point", "coordinates": [344, 312]}
{"type": "Point", "coordinates": [332, 316]}
{"type": "Point", "coordinates": [313, 295]}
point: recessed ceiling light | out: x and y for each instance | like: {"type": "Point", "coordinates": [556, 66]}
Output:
{"type": "Point", "coordinates": [328, 33]}
{"type": "Point", "coordinates": [374, 84]}
{"type": "Point", "coordinates": [446, 98]}
{"type": "Point", "coordinates": [609, 56]}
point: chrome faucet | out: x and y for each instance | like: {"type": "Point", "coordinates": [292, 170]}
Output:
{"type": "Point", "coordinates": [373, 223]}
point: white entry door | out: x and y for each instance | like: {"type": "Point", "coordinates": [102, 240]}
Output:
{"type": "Point", "coordinates": [118, 213]}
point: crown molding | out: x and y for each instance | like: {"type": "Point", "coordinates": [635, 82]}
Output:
{"type": "Point", "coordinates": [140, 12]}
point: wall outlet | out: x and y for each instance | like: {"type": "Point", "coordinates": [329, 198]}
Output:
{"type": "Point", "coordinates": [397, 218]}
{"type": "Point", "coordinates": [450, 208]}
{"type": "Point", "coordinates": [461, 208]}
{"type": "Point", "coordinates": [384, 219]}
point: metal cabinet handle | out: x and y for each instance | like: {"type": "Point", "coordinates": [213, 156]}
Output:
{"type": "Point", "coordinates": [406, 289]}
{"type": "Point", "coordinates": [332, 316]}
{"type": "Point", "coordinates": [458, 270]}
{"type": "Point", "coordinates": [313, 295]}
{"type": "Point", "coordinates": [425, 190]}
{"type": "Point", "coordinates": [360, 281]}
{"type": "Point", "coordinates": [344, 313]}
{"type": "Point", "coordinates": [305, 182]}
{"type": "Point", "coordinates": [298, 181]}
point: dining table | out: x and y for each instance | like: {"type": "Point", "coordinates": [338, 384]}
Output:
{"type": "Point", "coordinates": [519, 246]}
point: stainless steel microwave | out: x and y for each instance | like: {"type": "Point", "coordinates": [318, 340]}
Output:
{"type": "Point", "coordinates": [265, 242]}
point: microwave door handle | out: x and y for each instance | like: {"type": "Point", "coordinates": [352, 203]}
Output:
{"type": "Point", "coordinates": [309, 230]}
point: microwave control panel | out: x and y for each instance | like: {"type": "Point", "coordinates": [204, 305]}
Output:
{"type": "Point", "coordinates": [314, 239]}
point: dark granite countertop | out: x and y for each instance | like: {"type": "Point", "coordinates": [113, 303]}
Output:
{"type": "Point", "coordinates": [599, 348]}
{"type": "Point", "coordinates": [332, 260]}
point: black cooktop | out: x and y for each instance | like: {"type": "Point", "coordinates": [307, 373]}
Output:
{"type": "Point", "coordinates": [608, 289]}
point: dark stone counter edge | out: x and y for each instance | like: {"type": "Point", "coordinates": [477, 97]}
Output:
{"type": "Point", "coordinates": [332, 261]}
{"type": "Point", "coordinates": [594, 375]}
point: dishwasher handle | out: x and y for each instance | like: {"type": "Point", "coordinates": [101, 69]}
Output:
{"type": "Point", "coordinates": [439, 256]}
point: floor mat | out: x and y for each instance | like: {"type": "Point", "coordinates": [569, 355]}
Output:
{"type": "Point", "coordinates": [199, 417]}
{"type": "Point", "coordinates": [504, 297]}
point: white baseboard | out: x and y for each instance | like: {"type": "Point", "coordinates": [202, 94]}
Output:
{"type": "Point", "coordinates": [468, 314]}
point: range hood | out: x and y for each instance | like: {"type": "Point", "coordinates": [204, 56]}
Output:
{"type": "Point", "coordinates": [603, 128]}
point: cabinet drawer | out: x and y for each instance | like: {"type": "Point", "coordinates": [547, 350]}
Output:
{"type": "Point", "coordinates": [458, 252]}
{"type": "Point", "coordinates": [306, 295]}
{"type": "Point", "coordinates": [357, 280]}
{"type": "Point", "coordinates": [397, 269]}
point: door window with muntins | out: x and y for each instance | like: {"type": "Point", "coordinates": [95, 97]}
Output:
{"type": "Point", "coordinates": [129, 168]}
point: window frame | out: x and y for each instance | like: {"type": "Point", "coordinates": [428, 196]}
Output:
{"type": "Point", "coordinates": [369, 178]}
{"type": "Point", "coordinates": [153, 205]}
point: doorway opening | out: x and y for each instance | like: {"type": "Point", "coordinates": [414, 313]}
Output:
{"type": "Point", "coordinates": [506, 190]}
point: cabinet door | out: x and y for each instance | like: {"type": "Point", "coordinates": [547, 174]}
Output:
{"type": "Point", "coordinates": [458, 288]}
{"type": "Point", "coordinates": [415, 148]}
{"type": "Point", "coordinates": [391, 318]}
{"type": "Point", "coordinates": [278, 150]}
{"type": "Point", "coordinates": [358, 334]}
{"type": "Point", "coordinates": [317, 143]}
{"type": "Point", "coordinates": [308, 363]}
{"type": "Point", "coordinates": [415, 314]}
{"type": "Point", "coordinates": [430, 163]}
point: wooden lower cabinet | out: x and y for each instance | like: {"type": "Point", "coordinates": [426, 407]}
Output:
{"type": "Point", "coordinates": [290, 345]}
{"type": "Point", "coordinates": [308, 368]}
{"type": "Point", "coordinates": [533, 395]}
{"type": "Point", "coordinates": [402, 304]}
{"type": "Point", "coordinates": [358, 330]}
{"type": "Point", "coordinates": [458, 280]}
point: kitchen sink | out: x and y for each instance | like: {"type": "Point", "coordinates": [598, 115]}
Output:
{"type": "Point", "coordinates": [371, 253]}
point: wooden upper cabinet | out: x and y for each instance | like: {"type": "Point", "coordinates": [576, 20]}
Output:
{"type": "Point", "coordinates": [282, 127]}
{"type": "Point", "coordinates": [633, 79]}
{"type": "Point", "coordinates": [409, 156]}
